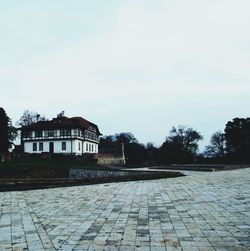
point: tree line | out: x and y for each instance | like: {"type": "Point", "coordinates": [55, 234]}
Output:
{"type": "Point", "coordinates": [180, 146]}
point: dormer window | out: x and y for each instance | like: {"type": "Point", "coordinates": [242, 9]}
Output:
{"type": "Point", "coordinates": [91, 128]}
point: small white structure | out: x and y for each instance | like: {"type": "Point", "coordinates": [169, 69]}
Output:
{"type": "Point", "coordinates": [61, 135]}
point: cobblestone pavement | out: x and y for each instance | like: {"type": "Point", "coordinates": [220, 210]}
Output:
{"type": "Point", "coordinates": [202, 211]}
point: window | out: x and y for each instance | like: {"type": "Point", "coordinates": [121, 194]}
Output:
{"type": "Point", "coordinates": [87, 146]}
{"type": "Point", "coordinates": [51, 133]}
{"type": "Point", "coordinates": [65, 132]}
{"type": "Point", "coordinates": [75, 132]}
{"type": "Point", "coordinates": [38, 134]}
{"type": "Point", "coordinates": [63, 146]}
{"type": "Point", "coordinates": [79, 146]}
{"type": "Point", "coordinates": [92, 129]}
{"type": "Point", "coordinates": [27, 134]}
{"type": "Point", "coordinates": [87, 135]}
{"type": "Point", "coordinates": [40, 146]}
{"type": "Point", "coordinates": [34, 147]}
{"type": "Point", "coordinates": [92, 148]}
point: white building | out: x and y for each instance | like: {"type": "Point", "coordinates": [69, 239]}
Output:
{"type": "Point", "coordinates": [61, 135]}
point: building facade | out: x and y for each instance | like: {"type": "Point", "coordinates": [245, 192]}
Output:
{"type": "Point", "coordinates": [61, 135]}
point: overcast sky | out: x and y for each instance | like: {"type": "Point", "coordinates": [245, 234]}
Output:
{"type": "Point", "coordinates": [141, 66]}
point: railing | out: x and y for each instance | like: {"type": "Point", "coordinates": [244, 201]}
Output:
{"type": "Point", "coordinates": [60, 137]}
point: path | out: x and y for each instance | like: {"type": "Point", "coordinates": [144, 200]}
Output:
{"type": "Point", "coordinates": [202, 211]}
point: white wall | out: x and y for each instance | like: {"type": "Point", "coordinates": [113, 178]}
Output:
{"type": "Point", "coordinates": [28, 146]}
{"type": "Point", "coordinates": [58, 146]}
{"type": "Point", "coordinates": [76, 149]}
{"type": "Point", "coordinates": [91, 146]}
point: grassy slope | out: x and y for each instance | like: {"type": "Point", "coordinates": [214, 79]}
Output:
{"type": "Point", "coordinates": [41, 167]}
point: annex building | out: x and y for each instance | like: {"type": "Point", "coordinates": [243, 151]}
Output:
{"type": "Point", "coordinates": [63, 135]}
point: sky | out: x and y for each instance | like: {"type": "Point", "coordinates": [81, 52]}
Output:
{"type": "Point", "coordinates": [139, 66]}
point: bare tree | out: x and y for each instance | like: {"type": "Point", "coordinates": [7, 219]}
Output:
{"type": "Point", "coordinates": [181, 145]}
{"type": "Point", "coordinates": [217, 146]}
{"type": "Point", "coordinates": [30, 117]}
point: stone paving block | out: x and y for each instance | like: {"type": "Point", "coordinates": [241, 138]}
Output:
{"type": "Point", "coordinates": [83, 245]}
{"type": "Point", "coordinates": [66, 247]}
{"type": "Point", "coordinates": [142, 248]}
{"type": "Point", "coordinates": [202, 211]}
{"type": "Point", "coordinates": [110, 248]}
{"type": "Point", "coordinates": [170, 248]}
{"type": "Point", "coordinates": [206, 248]}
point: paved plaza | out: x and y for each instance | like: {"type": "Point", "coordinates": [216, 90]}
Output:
{"type": "Point", "coordinates": [202, 211]}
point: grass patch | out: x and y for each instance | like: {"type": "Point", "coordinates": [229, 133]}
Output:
{"type": "Point", "coordinates": [31, 166]}
{"type": "Point", "coordinates": [34, 172]}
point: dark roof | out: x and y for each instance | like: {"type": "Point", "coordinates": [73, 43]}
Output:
{"type": "Point", "coordinates": [62, 123]}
